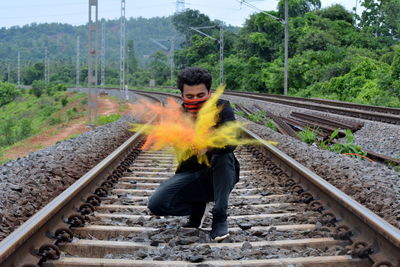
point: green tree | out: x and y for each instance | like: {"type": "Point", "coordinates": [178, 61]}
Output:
{"type": "Point", "coordinates": [159, 67]}
{"type": "Point", "coordinates": [336, 12]}
{"type": "Point", "coordinates": [33, 73]}
{"type": "Point", "coordinates": [8, 92]}
{"type": "Point", "coordinates": [298, 7]}
{"type": "Point", "coordinates": [381, 17]}
{"type": "Point", "coordinates": [38, 88]}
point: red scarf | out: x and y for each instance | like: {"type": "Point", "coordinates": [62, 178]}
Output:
{"type": "Point", "coordinates": [194, 105]}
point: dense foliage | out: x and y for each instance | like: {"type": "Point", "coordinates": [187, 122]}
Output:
{"type": "Point", "coordinates": [332, 53]}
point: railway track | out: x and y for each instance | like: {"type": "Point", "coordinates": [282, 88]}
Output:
{"type": "Point", "coordinates": [366, 112]}
{"type": "Point", "coordinates": [281, 214]}
{"type": "Point", "coordinates": [335, 103]}
{"type": "Point", "coordinates": [374, 113]}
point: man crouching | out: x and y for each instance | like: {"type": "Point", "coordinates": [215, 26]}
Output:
{"type": "Point", "coordinates": [194, 185]}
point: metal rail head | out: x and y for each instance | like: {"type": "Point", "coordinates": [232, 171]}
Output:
{"type": "Point", "coordinates": [38, 238]}
{"type": "Point", "coordinates": [382, 238]}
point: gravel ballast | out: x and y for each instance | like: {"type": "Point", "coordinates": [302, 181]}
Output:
{"type": "Point", "coordinates": [378, 137]}
{"type": "Point", "coordinates": [29, 183]}
{"type": "Point", "coordinates": [374, 185]}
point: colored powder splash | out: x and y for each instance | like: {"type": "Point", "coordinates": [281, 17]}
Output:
{"type": "Point", "coordinates": [187, 136]}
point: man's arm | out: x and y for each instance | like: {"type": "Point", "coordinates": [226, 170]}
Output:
{"type": "Point", "coordinates": [225, 116]}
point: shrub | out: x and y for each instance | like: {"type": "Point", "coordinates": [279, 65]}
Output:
{"type": "Point", "coordinates": [72, 114]}
{"type": "Point", "coordinates": [64, 101]}
{"type": "Point", "coordinates": [55, 120]}
{"type": "Point", "coordinates": [38, 87]}
{"type": "Point", "coordinates": [25, 129]}
{"type": "Point", "coordinates": [8, 92]}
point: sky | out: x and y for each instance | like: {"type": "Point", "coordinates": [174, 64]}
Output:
{"type": "Point", "coordinates": [75, 12]}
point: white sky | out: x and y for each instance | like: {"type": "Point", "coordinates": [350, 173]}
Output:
{"type": "Point", "coordinates": [75, 12]}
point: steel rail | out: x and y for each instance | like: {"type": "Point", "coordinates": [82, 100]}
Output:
{"type": "Point", "coordinates": [383, 237]}
{"type": "Point", "coordinates": [368, 227]}
{"type": "Point", "coordinates": [381, 109]}
{"type": "Point", "coordinates": [18, 248]}
{"type": "Point", "coordinates": [382, 117]}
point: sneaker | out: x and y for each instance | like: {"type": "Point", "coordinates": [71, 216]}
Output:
{"type": "Point", "coordinates": [219, 231]}
{"type": "Point", "coordinates": [195, 223]}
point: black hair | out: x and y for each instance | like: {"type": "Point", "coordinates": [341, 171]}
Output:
{"type": "Point", "coordinates": [194, 76]}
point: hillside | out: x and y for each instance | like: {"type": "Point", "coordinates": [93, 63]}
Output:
{"type": "Point", "coordinates": [60, 39]}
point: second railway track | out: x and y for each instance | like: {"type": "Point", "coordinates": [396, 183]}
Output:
{"type": "Point", "coordinates": [281, 214]}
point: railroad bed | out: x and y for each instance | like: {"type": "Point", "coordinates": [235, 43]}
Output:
{"type": "Point", "coordinates": [280, 214]}
{"type": "Point", "coordinates": [282, 229]}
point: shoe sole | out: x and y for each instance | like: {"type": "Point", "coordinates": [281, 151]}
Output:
{"type": "Point", "coordinates": [219, 238]}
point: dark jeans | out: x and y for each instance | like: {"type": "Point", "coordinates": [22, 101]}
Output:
{"type": "Point", "coordinates": [187, 192]}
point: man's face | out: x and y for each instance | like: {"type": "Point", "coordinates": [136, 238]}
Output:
{"type": "Point", "coordinates": [194, 91]}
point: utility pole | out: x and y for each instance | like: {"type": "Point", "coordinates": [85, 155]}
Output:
{"type": "Point", "coordinates": [78, 62]}
{"type": "Point", "coordinates": [285, 22]}
{"type": "Point", "coordinates": [180, 6]}
{"type": "Point", "coordinates": [103, 54]}
{"type": "Point", "coordinates": [221, 46]}
{"type": "Point", "coordinates": [122, 66]}
{"type": "Point", "coordinates": [19, 68]}
{"type": "Point", "coordinates": [92, 62]}
{"type": "Point", "coordinates": [46, 67]}
{"type": "Point", "coordinates": [285, 87]}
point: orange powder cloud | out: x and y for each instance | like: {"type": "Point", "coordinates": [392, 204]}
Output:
{"type": "Point", "coordinates": [186, 136]}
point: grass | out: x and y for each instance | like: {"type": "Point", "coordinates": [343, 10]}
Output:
{"type": "Point", "coordinates": [29, 116]}
{"type": "Point", "coordinates": [271, 124]}
{"type": "Point", "coordinates": [308, 136]}
{"type": "Point", "coordinates": [105, 119]}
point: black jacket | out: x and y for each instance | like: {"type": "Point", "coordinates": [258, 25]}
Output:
{"type": "Point", "coordinates": [225, 115]}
